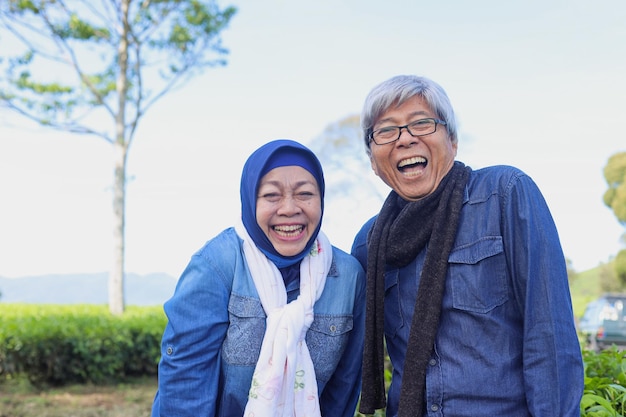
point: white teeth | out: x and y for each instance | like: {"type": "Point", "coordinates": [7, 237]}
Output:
{"type": "Point", "coordinates": [288, 229]}
{"type": "Point", "coordinates": [410, 161]}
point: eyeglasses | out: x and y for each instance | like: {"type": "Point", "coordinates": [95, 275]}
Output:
{"type": "Point", "coordinates": [421, 127]}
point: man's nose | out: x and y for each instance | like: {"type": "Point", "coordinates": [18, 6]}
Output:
{"type": "Point", "coordinates": [406, 137]}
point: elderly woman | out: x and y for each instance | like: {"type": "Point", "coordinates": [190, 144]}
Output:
{"type": "Point", "coordinates": [267, 318]}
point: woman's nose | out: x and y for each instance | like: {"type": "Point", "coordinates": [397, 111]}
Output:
{"type": "Point", "coordinates": [289, 205]}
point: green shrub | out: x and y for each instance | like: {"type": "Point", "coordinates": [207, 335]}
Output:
{"type": "Point", "coordinates": [605, 384]}
{"type": "Point", "coordinates": [60, 344]}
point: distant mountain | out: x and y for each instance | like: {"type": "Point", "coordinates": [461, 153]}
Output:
{"type": "Point", "coordinates": [142, 290]}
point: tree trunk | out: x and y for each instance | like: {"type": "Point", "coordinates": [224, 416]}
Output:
{"type": "Point", "coordinates": [120, 149]}
{"type": "Point", "coordinates": [116, 277]}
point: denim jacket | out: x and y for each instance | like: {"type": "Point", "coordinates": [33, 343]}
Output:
{"type": "Point", "coordinates": [216, 325]}
{"type": "Point", "coordinates": [507, 343]}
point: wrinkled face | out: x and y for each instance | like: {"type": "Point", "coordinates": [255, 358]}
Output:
{"type": "Point", "coordinates": [288, 208]}
{"type": "Point", "coordinates": [413, 165]}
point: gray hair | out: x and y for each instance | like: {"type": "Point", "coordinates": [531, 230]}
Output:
{"type": "Point", "coordinates": [399, 89]}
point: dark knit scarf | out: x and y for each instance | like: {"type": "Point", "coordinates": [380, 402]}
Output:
{"type": "Point", "coordinates": [400, 232]}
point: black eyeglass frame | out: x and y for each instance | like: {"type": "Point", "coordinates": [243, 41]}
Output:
{"type": "Point", "coordinates": [435, 120]}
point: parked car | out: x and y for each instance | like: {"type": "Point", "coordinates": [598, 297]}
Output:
{"type": "Point", "coordinates": [604, 322]}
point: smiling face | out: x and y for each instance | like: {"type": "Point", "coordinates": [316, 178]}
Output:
{"type": "Point", "coordinates": [413, 165]}
{"type": "Point", "coordinates": [288, 208]}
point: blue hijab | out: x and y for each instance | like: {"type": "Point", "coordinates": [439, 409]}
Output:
{"type": "Point", "coordinates": [278, 153]}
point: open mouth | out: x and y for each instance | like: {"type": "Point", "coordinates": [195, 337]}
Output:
{"type": "Point", "coordinates": [288, 231]}
{"type": "Point", "coordinates": [416, 162]}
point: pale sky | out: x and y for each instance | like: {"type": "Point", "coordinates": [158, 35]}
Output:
{"type": "Point", "coordinates": [537, 84]}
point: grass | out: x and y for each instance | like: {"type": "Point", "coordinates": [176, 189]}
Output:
{"type": "Point", "coordinates": [584, 288]}
{"type": "Point", "coordinates": [132, 399]}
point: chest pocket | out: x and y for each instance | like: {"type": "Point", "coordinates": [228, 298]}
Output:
{"type": "Point", "coordinates": [327, 338]}
{"type": "Point", "coordinates": [242, 345]}
{"type": "Point", "coordinates": [478, 276]}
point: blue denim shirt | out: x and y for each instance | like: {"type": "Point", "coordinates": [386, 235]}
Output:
{"type": "Point", "coordinates": [507, 343]}
{"type": "Point", "coordinates": [216, 325]}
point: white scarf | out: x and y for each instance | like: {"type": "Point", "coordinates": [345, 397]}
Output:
{"type": "Point", "coordinates": [284, 384]}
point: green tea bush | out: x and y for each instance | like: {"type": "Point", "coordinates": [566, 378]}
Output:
{"type": "Point", "coordinates": [62, 344]}
{"type": "Point", "coordinates": [605, 384]}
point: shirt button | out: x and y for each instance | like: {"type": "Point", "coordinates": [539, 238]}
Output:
{"type": "Point", "coordinates": [169, 350]}
{"type": "Point", "coordinates": [333, 328]}
{"type": "Point", "coordinates": [434, 407]}
{"type": "Point", "coordinates": [432, 362]}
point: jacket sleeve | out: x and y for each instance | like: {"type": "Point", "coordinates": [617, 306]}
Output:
{"type": "Point", "coordinates": [341, 393]}
{"type": "Point", "coordinates": [190, 350]}
{"type": "Point", "coordinates": [552, 362]}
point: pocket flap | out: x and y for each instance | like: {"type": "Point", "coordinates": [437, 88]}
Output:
{"type": "Point", "coordinates": [245, 306]}
{"type": "Point", "coordinates": [332, 325]}
{"type": "Point", "coordinates": [475, 252]}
